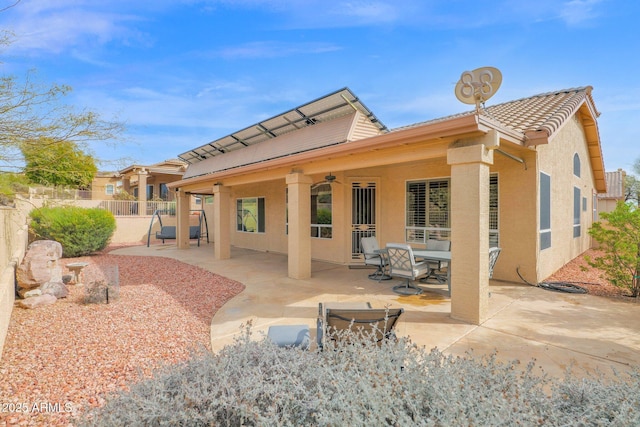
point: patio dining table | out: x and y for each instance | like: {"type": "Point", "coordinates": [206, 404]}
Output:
{"type": "Point", "coordinates": [436, 256]}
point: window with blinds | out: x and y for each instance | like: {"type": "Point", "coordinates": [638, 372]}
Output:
{"type": "Point", "coordinates": [427, 210]}
{"type": "Point", "coordinates": [494, 235]}
{"type": "Point", "coordinates": [428, 214]}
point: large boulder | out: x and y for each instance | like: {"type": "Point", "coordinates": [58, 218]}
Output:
{"type": "Point", "coordinates": [41, 264]}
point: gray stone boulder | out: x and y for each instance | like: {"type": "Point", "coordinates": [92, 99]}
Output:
{"type": "Point", "coordinates": [57, 289]}
{"type": "Point", "coordinates": [41, 264]}
{"type": "Point", "coordinates": [38, 301]}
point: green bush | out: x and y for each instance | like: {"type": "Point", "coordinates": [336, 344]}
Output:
{"type": "Point", "coordinates": [80, 231]}
{"type": "Point", "coordinates": [619, 238]}
{"type": "Point", "coordinates": [255, 383]}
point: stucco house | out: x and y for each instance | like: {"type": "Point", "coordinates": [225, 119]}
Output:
{"type": "Point", "coordinates": [615, 191]}
{"type": "Point", "coordinates": [152, 178]}
{"type": "Point", "coordinates": [523, 175]}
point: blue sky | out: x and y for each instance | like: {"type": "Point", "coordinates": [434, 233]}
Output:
{"type": "Point", "coordinates": [181, 73]}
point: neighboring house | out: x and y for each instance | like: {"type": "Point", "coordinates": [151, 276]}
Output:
{"type": "Point", "coordinates": [154, 178]}
{"type": "Point", "coordinates": [615, 191]}
{"type": "Point", "coordinates": [311, 182]}
{"type": "Point", "coordinates": [150, 182]}
{"type": "Point", "coordinates": [105, 185]}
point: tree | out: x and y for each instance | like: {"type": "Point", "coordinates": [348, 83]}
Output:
{"type": "Point", "coordinates": [631, 189]}
{"type": "Point", "coordinates": [632, 185]}
{"type": "Point", "coordinates": [58, 164]}
{"type": "Point", "coordinates": [619, 238]}
{"type": "Point", "coordinates": [34, 120]}
{"type": "Point", "coordinates": [31, 113]}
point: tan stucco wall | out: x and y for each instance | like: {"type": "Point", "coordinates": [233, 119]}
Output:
{"type": "Point", "coordinates": [518, 216]}
{"type": "Point", "coordinates": [133, 229]}
{"type": "Point", "coordinates": [606, 205]}
{"type": "Point", "coordinates": [99, 185]}
{"type": "Point", "coordinates": [556, 159]}
{"type": "Point", "coordinates": [13, 244]}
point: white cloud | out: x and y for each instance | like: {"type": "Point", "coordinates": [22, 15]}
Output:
{"type": "Point", "coordinates": [576, 12]}
{"type": "Point", "coordinates": [57, 27]}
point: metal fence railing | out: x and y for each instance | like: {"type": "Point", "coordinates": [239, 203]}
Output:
{"type": "Point", "coordinates": [116, 207]}
{"type": "Point", "coordinates": [134, 207]}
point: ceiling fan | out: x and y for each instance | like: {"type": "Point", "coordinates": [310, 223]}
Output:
{"type": "Point", "coordinates": [328, 179]}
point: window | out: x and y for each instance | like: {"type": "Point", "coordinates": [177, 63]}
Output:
{"type": "Point", "coordinates": [576, 165]}
{"type": "Point", "coordinates": [321, 211]}
{"type": "Point", "coordinates": [494, 234]}
{"type": "Point", "coordinates": [109, 190]}
{"type": "Point", "coordinates": [576, 211]}
{"type": "Point", "coordinates": [428, 214]}
{"type": "Point", "coordinates": [250, 215]}
{"type": "Point", "coordinates": [164, 192]}
{"type": "Point", "coordinates": [149, 191]}
{"type": "Point", "coordinates": [545, 211]}
{"type": "Point", "coordinates": [427, 211]}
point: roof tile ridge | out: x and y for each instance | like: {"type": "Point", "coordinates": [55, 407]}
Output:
{"type": "Point", "coordinates": [566, 109]}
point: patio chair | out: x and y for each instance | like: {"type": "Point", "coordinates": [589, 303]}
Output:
{"type": "Point", "coordinates": [343, 324]}
{"type": "Point", "coordinates": [369, 248]}
{"type": "Point", "coordinates": [437, 266]}
{"type": "Point", "coordinates": [494, 253]}
{"type": "Point", "coordinates": [403, 264]}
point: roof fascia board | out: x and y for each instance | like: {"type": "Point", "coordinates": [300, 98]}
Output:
{"type": "Point", "coordinates": [487, 124]}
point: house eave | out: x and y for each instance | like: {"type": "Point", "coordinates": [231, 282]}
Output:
{"type": "Point", "coordinates": [439, 133]}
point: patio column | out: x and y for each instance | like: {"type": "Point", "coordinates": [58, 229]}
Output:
{"type": "Point", "coordinates": [470, 232]}
{"type": "Point", "coordinates": [299, 239]}
{"type": "Point", "coordinates": [142, 192]}
{"type": "Point", "coordinates": [182, 219]}
{"type": "Point", "coordinates": [221, 222]}
{"type": "Point", "coordinates": [126, 184]}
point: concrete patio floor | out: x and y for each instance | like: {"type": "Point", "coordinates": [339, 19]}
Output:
{"type": "Point", "coordinates": [525, 322]}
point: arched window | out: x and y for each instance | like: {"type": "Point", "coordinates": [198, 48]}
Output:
{"type": "Point", "coordinates": [576, 165]}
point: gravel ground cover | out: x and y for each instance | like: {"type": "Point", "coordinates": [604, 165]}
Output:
{"type": "Point", "coordinates": [64, 357]}
{"type": "Point", "coordinates": [579, 272]}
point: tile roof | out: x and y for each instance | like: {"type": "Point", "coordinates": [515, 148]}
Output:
{"type": "Point", "coordinates": [533, 120]}
{"type": "Point", "coordinates": [615, 185]}
{"type": "Point", "coordinates": [544, 112]}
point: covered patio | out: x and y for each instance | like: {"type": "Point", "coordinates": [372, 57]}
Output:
{"type": "Point", "coordinates": [523, 322]}
{"type": "Point", "coordinates": [313, 181]}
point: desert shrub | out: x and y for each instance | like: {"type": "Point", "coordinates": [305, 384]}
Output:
{"type": "Point", "coordinates": [10, 185]}
{"type": "Point", "coordinates": [255, 383]}
{"type": "Point", "coordinates": [80, 231]}
{"type": "Point", "coordinates": [619, 238]}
